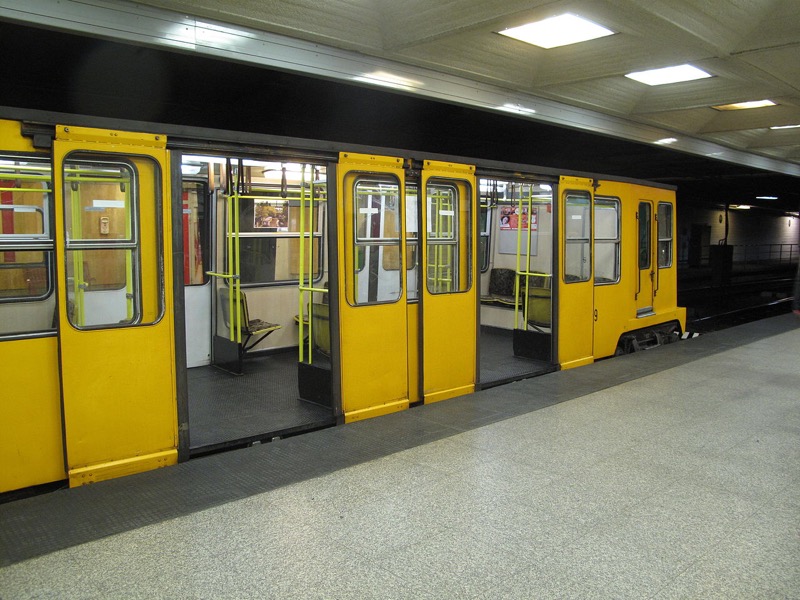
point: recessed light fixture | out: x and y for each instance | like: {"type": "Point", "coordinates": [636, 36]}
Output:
{"type": "Point", "coordinates": [744, 105]}
{"type": "Point", "coordinates": [385, 79]}
{"type": "Point", "coordinates": [784, 126]}
{"type": "Point", "coordinates": [557, 31]}
{"type": "Point", "coordinates": [666, 141]}
{"type": "Point", "coordinates": [666, 75]}
{"type": "Point", "coordinates": [516, 108]}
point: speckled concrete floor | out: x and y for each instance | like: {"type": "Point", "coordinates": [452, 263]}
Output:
{"type": "Point", "coordinates": [684, 483]}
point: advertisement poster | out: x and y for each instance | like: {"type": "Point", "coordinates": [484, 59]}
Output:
{"type": "Point", "coordinates": [270, 216]}
{"type": "Point", "coordinates": [510, 218]}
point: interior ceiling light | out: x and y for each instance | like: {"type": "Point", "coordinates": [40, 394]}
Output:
{"type": "Point", "coordinates": [668, 75]}
{"type": "Point", "coordinates": [666, 141]}
{"type": "Point", "coordinates": [766, 197]}
{"type": "Point", "coordinates": [784, 126]}
{"type": "Point", "coordinates": [740, 206]}
{"type": "Point", "coordinates": [557, 31]}
{"type": "Point", "coordinates": [744, 105]}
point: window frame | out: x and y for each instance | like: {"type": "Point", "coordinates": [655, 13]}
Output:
{"type": "Point", "coordinates": [43, 242]}
{"type": "Point", "coordinates": [574, 241]}
{"type": "Point", "coordinates": [609, 201]}
{"type": "Point", "coordinates": [669, 240]}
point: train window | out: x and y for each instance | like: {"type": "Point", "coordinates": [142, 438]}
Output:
{"type": "Point", "coordinates": [377, 212]}
{"type": "Point", "coordinates": [27, 304]}
{"type": "Point", "coordinates": [577, 229]}
{"type": "Point", "coordinates": [664, 234]}
{"type": "Point", "coordinates": [112, 211]}
{"type": "Point", "coordinates": [412, 242]}
{"type": "Point", "coordinates": [644, 235]}
{"type": "Point", "coordinates": [606, 240]}
{"type": "Point", "coordinates": [449, 222]}
{"type": "Point", "coordinates": [195, 232]}
{"type": "Point", "coordinates": [270, 220]}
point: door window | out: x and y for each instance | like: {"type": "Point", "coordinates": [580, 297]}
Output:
{"type": "Point", "coordinates": [578, 228]}
{"type": "Point", "coordinates": [448, 244]}
{"type": "Point", "coordinates": [644, 235]}
{"type": "Point", "coordinates": [377, 211]}
{"type": "Point", "coordinates": [664, 234]}
{"type": "Point", "coordinates": [113, 279]}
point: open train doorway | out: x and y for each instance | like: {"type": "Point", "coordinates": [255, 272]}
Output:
{"type": "Point", "coordinates": [253, 241]}
{"type": "Point", "coordinates": [516, 264]}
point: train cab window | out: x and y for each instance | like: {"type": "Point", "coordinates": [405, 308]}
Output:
{"type": "Point", "coordinates": [449, 222]}
{"type": "Point", "coordinates": [377, 210]}
{"type": "Point", "coordinates": [664, 235]}
{"type": "Point", "coordinates": [606, 241]}
{"type": "Point", "coordinates": [27, 303]}
{"type": "Point", "coordinates": [112, 211]}
{"type": "Point", "coordinates": [577, 230]}
{"type": "Point", "coordinates": [270, 221]}
{"type": "Point", "coordinates": [645, 211]}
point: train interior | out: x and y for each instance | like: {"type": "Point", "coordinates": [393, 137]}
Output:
{"type": "Point", "coordinates": [256, 289]}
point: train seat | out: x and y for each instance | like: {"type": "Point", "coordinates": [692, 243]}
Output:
{"type": "Point", "coordinates": [501, 293]}
{"type": "Point", "coordinates": [253, 330]}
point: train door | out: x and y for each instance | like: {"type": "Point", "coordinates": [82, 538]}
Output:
{"type": "Point", "coordinates": [31, 446]}
{"type": "Point", "coordinates": [449, 292]}
{"type": "Point", "coordinates": [611, 299]}
{"type": "Point", "coordinates": [116, 338]}
{"type": "Point", "coordinates": [576, 310]}
{"type": "Point", "coordinates": [196, 253]}
{"type": "Point", "coordinates": [372, 299]}
{"type": "Point", "coordinates": [646, 252]}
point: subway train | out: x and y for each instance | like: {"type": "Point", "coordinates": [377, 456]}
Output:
{"type": "Point", "coordinates": [168, 294]}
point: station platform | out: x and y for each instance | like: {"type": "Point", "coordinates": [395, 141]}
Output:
{"type": "Point", "coordinates": [671, 473]}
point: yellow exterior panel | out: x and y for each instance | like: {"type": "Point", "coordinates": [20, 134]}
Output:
{"type": "Point", "coordinates": [450, 319]}
{"type": "Point", "coordinates": [575, 299]}
{"type": "Point", "coordinates": [447, 394]}
{"type": "Point", "coordinates": [121, 468]}
{"type": "Point", "coordinates": [91, 135]}
{"type": "Point", "coordinates": [31, 445]}
{"type": "Point", "coordinates": [373, 337]}
{"type": "Point", "coordinates": [118, 382]}
{"type": "Point", "coordinates": [375, 411]}
{"type": "Point", "coordinates": [11, 134]}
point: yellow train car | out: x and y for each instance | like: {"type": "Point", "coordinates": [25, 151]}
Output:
{"type": "Point", "coordinates": [155, 298]}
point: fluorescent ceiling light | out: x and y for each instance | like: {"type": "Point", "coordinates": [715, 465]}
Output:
{"type": "Point", "coordinates": [740, 206]}
{"type": "Point", "coordinates": [557, 31]}
{"type": "Point", "coordinates": [784, 126]}
{"type": "Point", "coordinates": [666, 141]}
{"type": "Point", "coordinates": [668, 75]}
{"type": "Point", "coordinates": [766, 197]}
{"type": "Point", "coordinates": [388, 80]}
{"type": "Point", "coordinates": [744, 105]}
{"type": "Point", "coordinates": [516, 108]}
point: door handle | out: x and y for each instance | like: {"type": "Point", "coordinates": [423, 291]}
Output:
{"type": "Point", "coordinates": [595, 315]}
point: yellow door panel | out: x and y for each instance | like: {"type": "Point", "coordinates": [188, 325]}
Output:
{"type": "Point", "coordinates": [449, 283]}
{"type": "Point", "coordinates": [575, 284]}
{"type": "Point", "coordinates": [31, 446]}
{"type": "Point", "coordinates": [113, 247]}
{"type": "Point", "coordinates": [613, 301]}
{"type": "Point", "coordinates": [372, 299]}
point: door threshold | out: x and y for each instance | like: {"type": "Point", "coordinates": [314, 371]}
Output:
{"type": "Point", "coordinates": [261, 438]}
